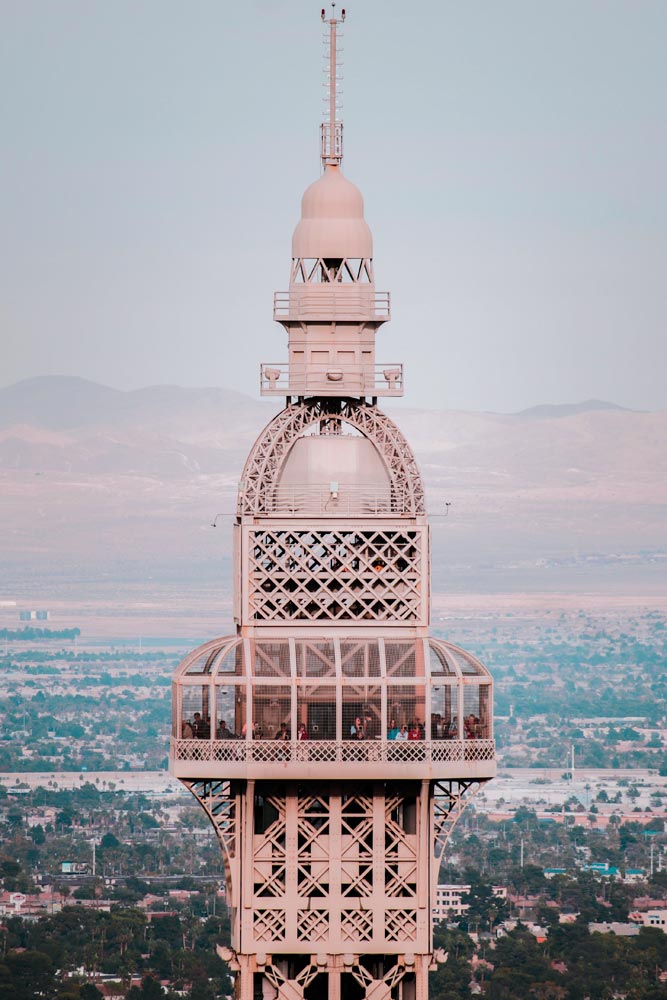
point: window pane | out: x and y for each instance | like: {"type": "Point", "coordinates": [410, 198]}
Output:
{"type": "Point", "coordinates": [272, 659]}
{"type": "Point", "coordinates": [315, 659]}
{"type": "Point", "coordinates": [316, 710]}
{"type": "Point", "coordinates": [195, 711]}
{"type": "Point", "coordinates": [271, 711]}
{"type": "Point", "coordinates": [360, 659]}
{"type": "Point", "coordinates": [362, 717]}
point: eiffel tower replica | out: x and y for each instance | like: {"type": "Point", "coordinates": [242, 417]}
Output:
{"type": "Point", "coordinates": [331, 740]}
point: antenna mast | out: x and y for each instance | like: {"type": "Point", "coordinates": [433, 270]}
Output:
{"type": "Point", "coordinates": [331, 131]}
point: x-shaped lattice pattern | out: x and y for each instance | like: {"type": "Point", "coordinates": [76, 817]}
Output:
{"type": "Point", "coordinates": [269, 925]}
{"type": "Point", "coordinates": [269, 854]}
{"type": "Point", "coordinates": [335, 575]}
{"type": "Point", "coordinates": [357, 925]}
{"type": "Point", "coordinates": [313, 925]}
{"type": "Point", "coordinates": [361, 838]}
{"type": "Point", "coordinates": [262, 468]}
{"type": "Point", "coordinates": [326, 751]}
{"type": "Point", "coordinates": [400, 925]}
{"type": "Point", "coordinates": [313, 867]}
{"type": "Point", "coordinates": [220, 805]}
{"type": "Point", "coordinates": [400, 852]}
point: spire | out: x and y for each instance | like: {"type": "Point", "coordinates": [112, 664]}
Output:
{"type": "Point", "coordinates": [331, 130]}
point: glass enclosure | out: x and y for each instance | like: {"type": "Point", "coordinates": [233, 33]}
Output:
{"type": "Point", "coordinates": [348, 688]}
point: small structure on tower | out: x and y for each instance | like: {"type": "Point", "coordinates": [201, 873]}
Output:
{"type": "Point", "coordinates": [331, 740]}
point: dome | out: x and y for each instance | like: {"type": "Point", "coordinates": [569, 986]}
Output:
{"type": "Point", "coordinates": [332, 220]}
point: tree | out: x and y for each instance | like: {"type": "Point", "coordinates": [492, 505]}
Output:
{"type": "Point", "coordinates": [90, 992]}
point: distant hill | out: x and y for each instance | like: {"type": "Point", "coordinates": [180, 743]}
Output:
{"type": "Point", "coordinates": [102, 486]}
{"type": "Point", "coordinates": [546, 410]}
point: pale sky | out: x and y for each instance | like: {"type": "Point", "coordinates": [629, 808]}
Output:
{"type": "Point", "coordinates": [512, 158]}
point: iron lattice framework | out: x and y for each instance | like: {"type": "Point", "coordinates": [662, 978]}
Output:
{"type": "Point", "coordinates": [331, 741]}
{"type": "Point", "coordinates": [269, 452]}
{"type": "Point", "coordinates": [335, 575]}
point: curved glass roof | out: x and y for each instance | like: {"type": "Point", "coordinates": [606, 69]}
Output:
{"type": "Point", "coordinates": [332, 657]}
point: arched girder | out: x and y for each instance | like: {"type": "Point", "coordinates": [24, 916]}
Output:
{"type": "Point", "coordinates": [220, 805]}
{"type": "Point", "coordinates": [272, 447]}
{"type": "Point", "coordinates": [449, 800]}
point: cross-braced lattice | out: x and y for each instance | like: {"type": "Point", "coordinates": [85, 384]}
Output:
{"type": "Point", "coordinates": [269, 855]}
{"type": "Point", "coordinates": [400, 925]}
{"type": "Point", "coordinates": [269, 925]}
{"type": "Point", "coordinates": [335, 575]}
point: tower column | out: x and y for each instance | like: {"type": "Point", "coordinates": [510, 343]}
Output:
{"type": "Point", "coordinates": [331, 819]}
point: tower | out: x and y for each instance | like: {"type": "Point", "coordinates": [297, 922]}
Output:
{"type": "Point", "coordinates": [293, 733]}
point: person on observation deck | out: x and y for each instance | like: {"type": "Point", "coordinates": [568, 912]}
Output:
{"type": "Point", "coordinates": [357, 729]}
{"type": "Point", "coordinates": [302, 732]}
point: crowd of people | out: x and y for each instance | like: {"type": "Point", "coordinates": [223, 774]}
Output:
{"type": "Point", "coordinates": [363, 728]}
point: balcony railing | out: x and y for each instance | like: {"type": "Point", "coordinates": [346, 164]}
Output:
{"type": "Point", "coordinates": [331, 380]}
{"type": "Point", "coordinates": [386, 752]}
{"type": "Point", "coordinates": [332, 302]}
{"type": "Point", "coordinates": [335, 500]}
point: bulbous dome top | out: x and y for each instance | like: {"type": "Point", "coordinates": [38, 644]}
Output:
{"type": "Point", "coordinates": [332, 220]}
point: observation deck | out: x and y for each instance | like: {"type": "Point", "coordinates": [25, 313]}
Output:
{"type": "Point", "coordinates": [324, 708]}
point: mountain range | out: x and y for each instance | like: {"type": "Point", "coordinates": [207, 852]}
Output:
{"type": "Point", "coordinates": [102, 487]}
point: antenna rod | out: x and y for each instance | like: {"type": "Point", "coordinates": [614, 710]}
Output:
{"type": "Point", "coordinates": [332, 77]}
{"type": "Point", "coordinates": [332, 131]}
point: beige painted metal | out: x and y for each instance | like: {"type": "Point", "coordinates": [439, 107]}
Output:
{"type": "Point", "coordinates": [292, 734]}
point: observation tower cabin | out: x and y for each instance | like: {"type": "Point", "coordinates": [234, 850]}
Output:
{"type": "Point", "coordinates": [331, 740]}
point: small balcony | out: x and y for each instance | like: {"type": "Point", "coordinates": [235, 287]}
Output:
{"type": "Point", "coordinates": [326, 303]}
{"type": "Point", "coordinates": [331, 380]}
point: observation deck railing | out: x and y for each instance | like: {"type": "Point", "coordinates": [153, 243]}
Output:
{"type": "Point", "coordinates": [301, 379]}
{"type": "Point", "coordinates": [263, 758]}
{"type": "Point", "coordinates": [344, 501]}
{"type": "Point", "coordinates": [332, 302]}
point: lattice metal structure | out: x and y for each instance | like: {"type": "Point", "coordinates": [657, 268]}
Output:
{"type": "Point", "coordinates": [331, 741]}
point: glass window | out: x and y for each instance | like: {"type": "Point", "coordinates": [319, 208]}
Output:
{"type": "Point", "coordinates": [195, 721]}
{"type": "Point", "coordinates": [439, 663]}
{"type": "Point", "coordinates": [404, 659]}
{"type": "Point", "coordinates": [444, 720]}
{"type": "Point", "coordinates": [229, 711]}
{"type": "Point", "coordinates": [476, 714]}
{"type": "Point", "coordinates": [203, 662]}
{"type": "Point", "coordinates": [360, 659]}
{"type": "Point", "coordinates": [272, 659]}
{"type": "Point", "coordinates": [230, 662]}
{"type": "Point", "coordinates": [466, 662]}
{"type": "Point", "coordinates": [406, 708]}
{"type": "Point", "coordinates": [271, 707]}
{"type": "Point", "coordinates": [362, 712]}
{"type": "Point", "coordinates": [315, 659]}
{"type": "Point", "coordinates": [316, 711]}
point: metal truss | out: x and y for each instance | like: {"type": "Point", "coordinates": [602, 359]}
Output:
{"type": "Point", "coordinates": [301, 898]}
{"type": "Point", "coordinates": [216, 799]}
{"type": "Point", "coordinates": [291, 989]}
{"type": "Point", "coordinates": [450, 798]}
{"type": "Point", "coordinates": [262, 469]}
{"type": "Point", "coordinates": [334, 575]}
{"type": "Point", "coordinates": [378, 989]}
